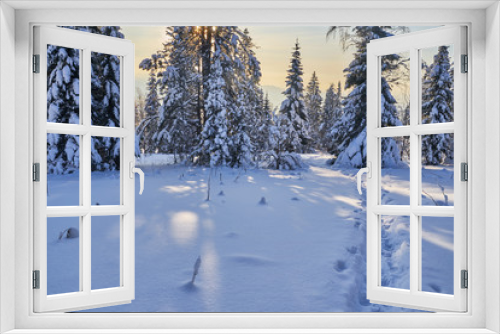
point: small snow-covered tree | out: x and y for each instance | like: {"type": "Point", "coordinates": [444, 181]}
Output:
{"type": "Point", "coordinates": [293, 107]}
{"type": "Point", "coordinates": [437, 107]}
{"type": "Point", "coordinates": [313, 103]}
{"type": "Point", "coordinates": [278, 156]}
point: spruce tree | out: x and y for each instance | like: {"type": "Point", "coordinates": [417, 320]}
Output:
{"type": "Point", "coordinates": [313, 103]}
{"type": "Point", "coordinates": [437, 107]}
{"type": "Point", "coordinates": [293, 107]}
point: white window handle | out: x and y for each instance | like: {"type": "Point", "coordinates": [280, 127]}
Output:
{"type": "Point", "coordinates": [141, 175]}
{"type": "Point", "coordinates": [366, 170]}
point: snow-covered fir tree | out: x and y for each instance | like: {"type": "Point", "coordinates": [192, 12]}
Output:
{"type": "Point", "coordinates": [242, 93]}
{"type": "Point", "coordinates": [350, 131]}
{"type": "Point", "coordinates": [215, 142]}
{"type": "Point", "coordinates": [313, 103]}
{"type": "Point", "coordinates": [332, 112]}
{"type": "Point", "coordinates": [176, 131]}
{"type": "Point", "coordinates": [147, 129]}
{"type": "Point", "coordinates": [293, 107]}
{"type": "Point", "coordinates": [437, 107]}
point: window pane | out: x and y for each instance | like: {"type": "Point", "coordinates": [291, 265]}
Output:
{"type": "Point", "coordinates": [437, 169]}
{"type": "Point", "coordinates": [437, 254]}
{"type": "Point", "coordinates": [105, 89]}
{"type": "Point", "coordinates": [437, 84]}
{"type": "Point", "coordinates": [395, 255]}
{"type": "Point", "coordinates": [105, 252]}
{"type": "Point", "coordinates": [63, 169]}
{"type": "Point", "coordinates": [63, 85]}
{"type": "Point", "coordinates": [106, 171]}
{"type": "Point", "coordinates": [395, 172]}
{"type": "Point", "coordinates": [395, 89]}
{"type": "Point", "coordinates": [63, 255]}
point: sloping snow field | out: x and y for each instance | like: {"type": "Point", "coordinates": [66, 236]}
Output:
{"type": "Point", "coordinates": [269, 241]}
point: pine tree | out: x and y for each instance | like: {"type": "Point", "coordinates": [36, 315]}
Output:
{"type": "Point", "coordinates": [350, 130]}
{"type": "Point", "coordinates": [293, 106]}
{"type": "Point", "coordinates": [313, 103]}
{"type": "Point", "coordinates": [437, 107]}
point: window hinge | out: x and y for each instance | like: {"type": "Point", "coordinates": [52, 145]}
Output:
{"type": "Point", "coordinates": [36, 172]}
{"type": "Point", "coordinates": [464, 171]}
{"type": "Point", "coordinates": [36, 279]}
{"type": "Point", "coordinates": [36, 63]}
{"type": "Point", "coordinates": [465, 64]}
{"type": "Point", "coordinates": [465, 279]}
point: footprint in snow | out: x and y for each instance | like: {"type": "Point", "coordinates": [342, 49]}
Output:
{"type": "Point", "coordinates": [295, 199]}
{"type": "Point", "coordinates": [340, 266]}
{"type": "Point", "coordinates": [263, 201]}
{"type": "Point", "coordinates": [221, 193]}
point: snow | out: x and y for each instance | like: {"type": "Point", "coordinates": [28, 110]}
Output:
{"type": "Point", "coordinates": [267, 240]}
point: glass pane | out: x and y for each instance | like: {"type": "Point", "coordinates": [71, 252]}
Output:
{"type": "Point", "coordinates": [395, 246]}
{"type": "Point", "coordinates": [395, 172]}
{"type": "Point", "coordinates": [63, 85]}
{"type": "Point", "coordinates": [63, 169]}
{"type": "Point", "coordinates": [437, 84]}
{"type": "Point", "coordinates": [106, 171]}
{"type": "Point", "coordinates": [63, 255]}
{"type": "Point", "coordinates": [105, 252]}
{"type": "Point", "coordinates": [395, 89]}
{"type": "Point", "coordinates": [105, 89]}
{"type": "Point", "coordinates": [437, 169]}
{"type": "Point", "coordinates": [437, 254]}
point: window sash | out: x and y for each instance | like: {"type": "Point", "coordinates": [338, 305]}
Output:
{"type": "Point", "coordinates": [86, 297]}
{"type": "Point", "coordinates": [413, 298]}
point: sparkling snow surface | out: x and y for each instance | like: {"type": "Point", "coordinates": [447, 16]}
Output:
{"type": "Point", "coordinates": [269, 241]}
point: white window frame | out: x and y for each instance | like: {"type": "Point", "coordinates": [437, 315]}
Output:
{"type": "Point", "coordinates": [16, 225]}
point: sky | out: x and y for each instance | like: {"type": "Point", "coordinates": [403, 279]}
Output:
{"type": "Point", "coordinates": [274, 47]}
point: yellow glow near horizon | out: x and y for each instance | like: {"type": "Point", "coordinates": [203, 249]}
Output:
{"type": "Point", "coordinates": [274, 48]}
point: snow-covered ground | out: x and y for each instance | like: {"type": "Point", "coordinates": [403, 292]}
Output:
{"type": "Point", "coordinates": [269, 241]}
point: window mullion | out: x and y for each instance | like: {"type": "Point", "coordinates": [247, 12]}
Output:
{"type": "Point", "coordinates": [85, 170]}
{"type": "Point", "coordinates": [415, 249]}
